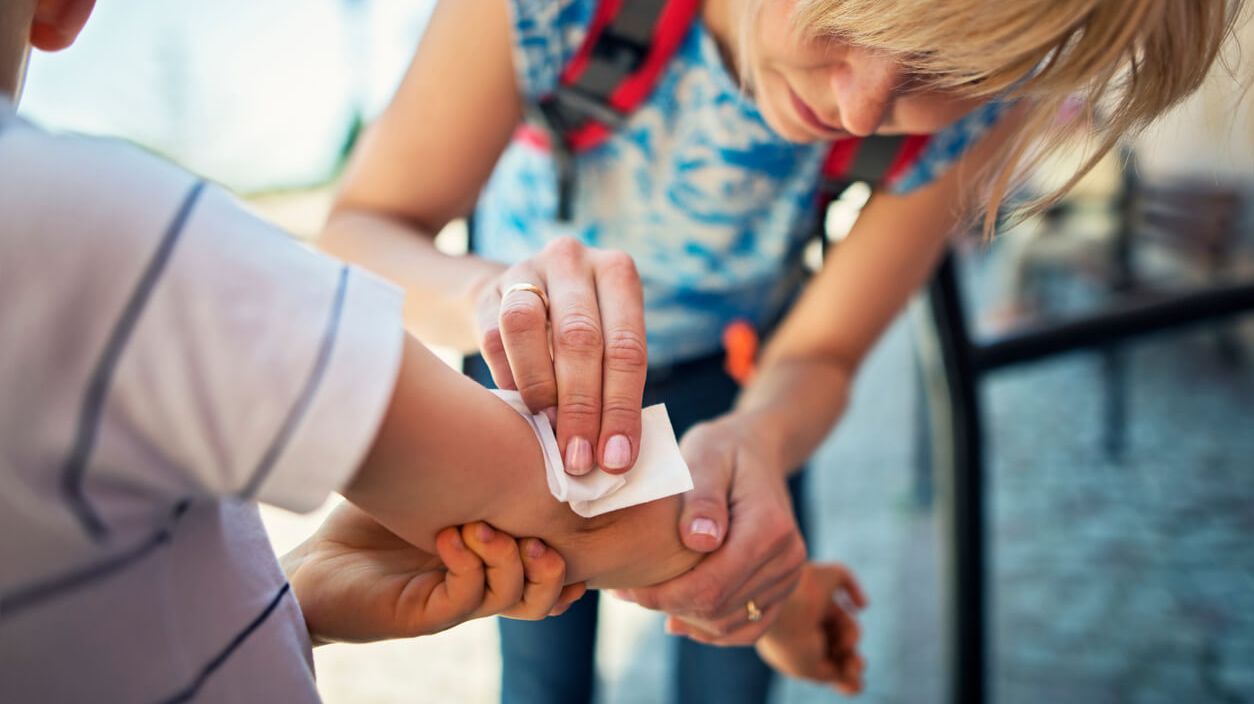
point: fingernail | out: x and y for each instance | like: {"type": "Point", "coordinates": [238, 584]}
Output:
{"type": "Point", "coordinates": [578, 456]}
{"type": "Point", "coordinates": [457, 541]}
{"type": "Point", "coordinates": [551, 414]}
{"type": "Point", "coordinates": [617, 452]}
{"type": "Point", "coordinates": [621, 594]}
{"type": "Point", "coordinates": [703, 526]}
{"type": "Point", "coordinates": [485, 533]}
{"type": "Point", "coordinates": [535, 548]}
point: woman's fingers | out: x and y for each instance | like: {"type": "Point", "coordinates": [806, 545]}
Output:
{"type": "Point", "coordinates": [747, 633]}
{"type": "Point", "coordinates": [578, 349]}
{"type": "Point", "coordinates": [626, 360]}
{"type": "Point", "coordinates": [566, 330]}
{"type": "Point", "coordinates": [524, 326]}
{"type": "Point", "coordinates": [731, 624]}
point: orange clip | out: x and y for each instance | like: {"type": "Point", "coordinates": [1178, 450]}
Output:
{"type": "Point", "coordinates": [740, 339]}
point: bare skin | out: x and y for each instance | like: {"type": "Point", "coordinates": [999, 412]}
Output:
{"type": "Point", "coordinates": [438, 415]}
{"type": "Point", "coordinates": [405, 183]}
{"type": "Point", "coordinates": [359, 581]}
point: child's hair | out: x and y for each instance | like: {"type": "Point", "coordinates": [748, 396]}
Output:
{"type": "Point", "coordinates": [1122, 62]}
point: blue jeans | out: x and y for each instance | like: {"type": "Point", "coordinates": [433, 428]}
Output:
{"type": "Point", "coordinates": [553, 661]}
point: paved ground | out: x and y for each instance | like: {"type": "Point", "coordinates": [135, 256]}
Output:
{"type": "Point", "coordinates": [1115, 581]}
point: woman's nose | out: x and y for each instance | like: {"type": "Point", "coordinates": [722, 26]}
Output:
{"type": "Point", "coordinates": [865, 85]}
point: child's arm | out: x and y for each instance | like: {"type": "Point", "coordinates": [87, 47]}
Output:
{"type": "Point", "coordinates": [200, 354]}
{"type": "Point", "coordinates": [449, 453]}
{"type": "Point", "coordinates": [816, 636]}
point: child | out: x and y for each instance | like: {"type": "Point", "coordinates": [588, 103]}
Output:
{"type": "Point", "coordinates": [167, 360]}
{"type": "Point", "coordinates": [694, 213]}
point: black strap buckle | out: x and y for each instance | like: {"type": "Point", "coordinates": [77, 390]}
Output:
{"type": "Point", "coordinates": [620, 51]}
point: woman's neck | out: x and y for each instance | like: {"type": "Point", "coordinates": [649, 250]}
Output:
{"type": "Point", "coordinates": [721, 19]}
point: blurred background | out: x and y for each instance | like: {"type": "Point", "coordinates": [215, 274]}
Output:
{"type": "Point", "coordinates": [1119, 482]}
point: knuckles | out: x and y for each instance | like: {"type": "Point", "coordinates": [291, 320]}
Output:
{"type": "Point", "coordinates": [566, 250]}
{"type": "Point", "coordinates": [620, 266]}
{"type": "Point", "coordinates": [626, 350]}
{"type": "Point", "coordinates": [521, 314]}
{"type": "Point", "coordinates": [576, 405]}
{"type": "Point", "coordinates": [492, 344]}
{"type": "Point", "coordinates": [579, 333]}
{"type": "Point", "coordinates": [707, 598]}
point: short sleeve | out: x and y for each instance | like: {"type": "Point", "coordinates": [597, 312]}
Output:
{"type": "Point", "coordinates": [260, 368]}
{"type": "Point", "coordinates": [164, 344]}
{"type": "Point", "coordinates": [949, 145]}
{"type": "Point", "coordinates": [547, 35]}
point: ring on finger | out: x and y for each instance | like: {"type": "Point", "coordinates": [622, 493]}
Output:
{"type": "Point", "coordinates": [754, 613]}
{"type": "Point", "coordinates": [529, 288]}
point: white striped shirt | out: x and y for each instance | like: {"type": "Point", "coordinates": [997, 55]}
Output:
{"type": "Point", "coordinates": [166, 359]}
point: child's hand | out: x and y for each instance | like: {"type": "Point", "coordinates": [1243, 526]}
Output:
{"type": "Point", "coordinates": [816, 636]}
{"type": "Point", "coordinates": [358, 582]}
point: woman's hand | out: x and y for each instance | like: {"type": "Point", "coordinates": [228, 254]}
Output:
{"type": "Point", "coordinates": [739, 510]}
{"type": "Point", "coordinates": [816, 636]}
{"type": "Point", "coordinates": [583, 353]}
{"type": "Point", "coordinates": [357, 582]}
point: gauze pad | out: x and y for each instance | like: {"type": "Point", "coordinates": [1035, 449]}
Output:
{"type": "Point", "coordinates": [660, 470]}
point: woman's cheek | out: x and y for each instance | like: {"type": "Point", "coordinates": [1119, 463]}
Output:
{"type": "Point", "coordinates": [926, 114]}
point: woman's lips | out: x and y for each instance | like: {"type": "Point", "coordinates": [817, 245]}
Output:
{"type": "Point", "coordinates": [811, 118]}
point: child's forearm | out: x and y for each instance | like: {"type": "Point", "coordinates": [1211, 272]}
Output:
{"type": "Point", "coordinates": [449, 452]}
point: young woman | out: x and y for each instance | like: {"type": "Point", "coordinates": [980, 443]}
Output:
{"type": "Point", "coordinates": [694, 213]}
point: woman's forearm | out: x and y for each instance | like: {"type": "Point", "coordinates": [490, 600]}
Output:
{"type": "Point", "coordinates": [794, 401]}
{"type": "Point", "coordinates": [439, 288]}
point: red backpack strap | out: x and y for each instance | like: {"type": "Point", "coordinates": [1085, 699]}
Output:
{"type": "Point", "coordinates": [628, 46]}
{"type": "Point", "coordinates": [873, 160]}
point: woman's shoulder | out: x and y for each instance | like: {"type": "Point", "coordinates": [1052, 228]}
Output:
{"type": "Point", "coordinates": [947, 146]}
{"type": "Point", "coordinates": [547, 34]}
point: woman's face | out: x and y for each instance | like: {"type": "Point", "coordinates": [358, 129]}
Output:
{"type": "Point", "coordinates": [824, 89]}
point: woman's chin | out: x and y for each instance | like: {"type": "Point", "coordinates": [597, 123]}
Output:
{"type": "Point", "coordinates": [791, 133]}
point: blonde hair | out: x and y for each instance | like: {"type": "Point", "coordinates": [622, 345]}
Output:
{"type": "Point", "coordinates": [1124, 62]}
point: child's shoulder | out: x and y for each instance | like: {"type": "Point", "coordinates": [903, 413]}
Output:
{"type": "Point", "coordinates": [91, 190]}
{"type": "Point", "coordinates": [76, 164]}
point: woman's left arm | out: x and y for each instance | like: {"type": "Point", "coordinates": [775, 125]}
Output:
{"type": "Point", "coordinates": [807, 368]}
{"type": "Point", "coordinates": [741, 460]}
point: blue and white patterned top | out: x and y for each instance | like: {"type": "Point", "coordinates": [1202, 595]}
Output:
{"type": "Point", "coordinates": [714, 207]}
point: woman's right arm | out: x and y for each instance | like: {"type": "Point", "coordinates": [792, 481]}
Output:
{"type": "Point", "coordinates": [423, 163]}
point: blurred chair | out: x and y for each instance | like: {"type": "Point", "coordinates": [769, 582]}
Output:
{"type": "Point", "coordinates": [1198, 224]}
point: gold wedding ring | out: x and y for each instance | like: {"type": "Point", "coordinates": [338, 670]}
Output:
{"type": "Point", "coordinates": [755, 614]}
{"type": "Point", "coordinates": [529, 288]}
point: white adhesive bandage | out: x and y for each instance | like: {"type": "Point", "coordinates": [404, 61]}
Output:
{"type": "Point", "coordinates": [660, 470]}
